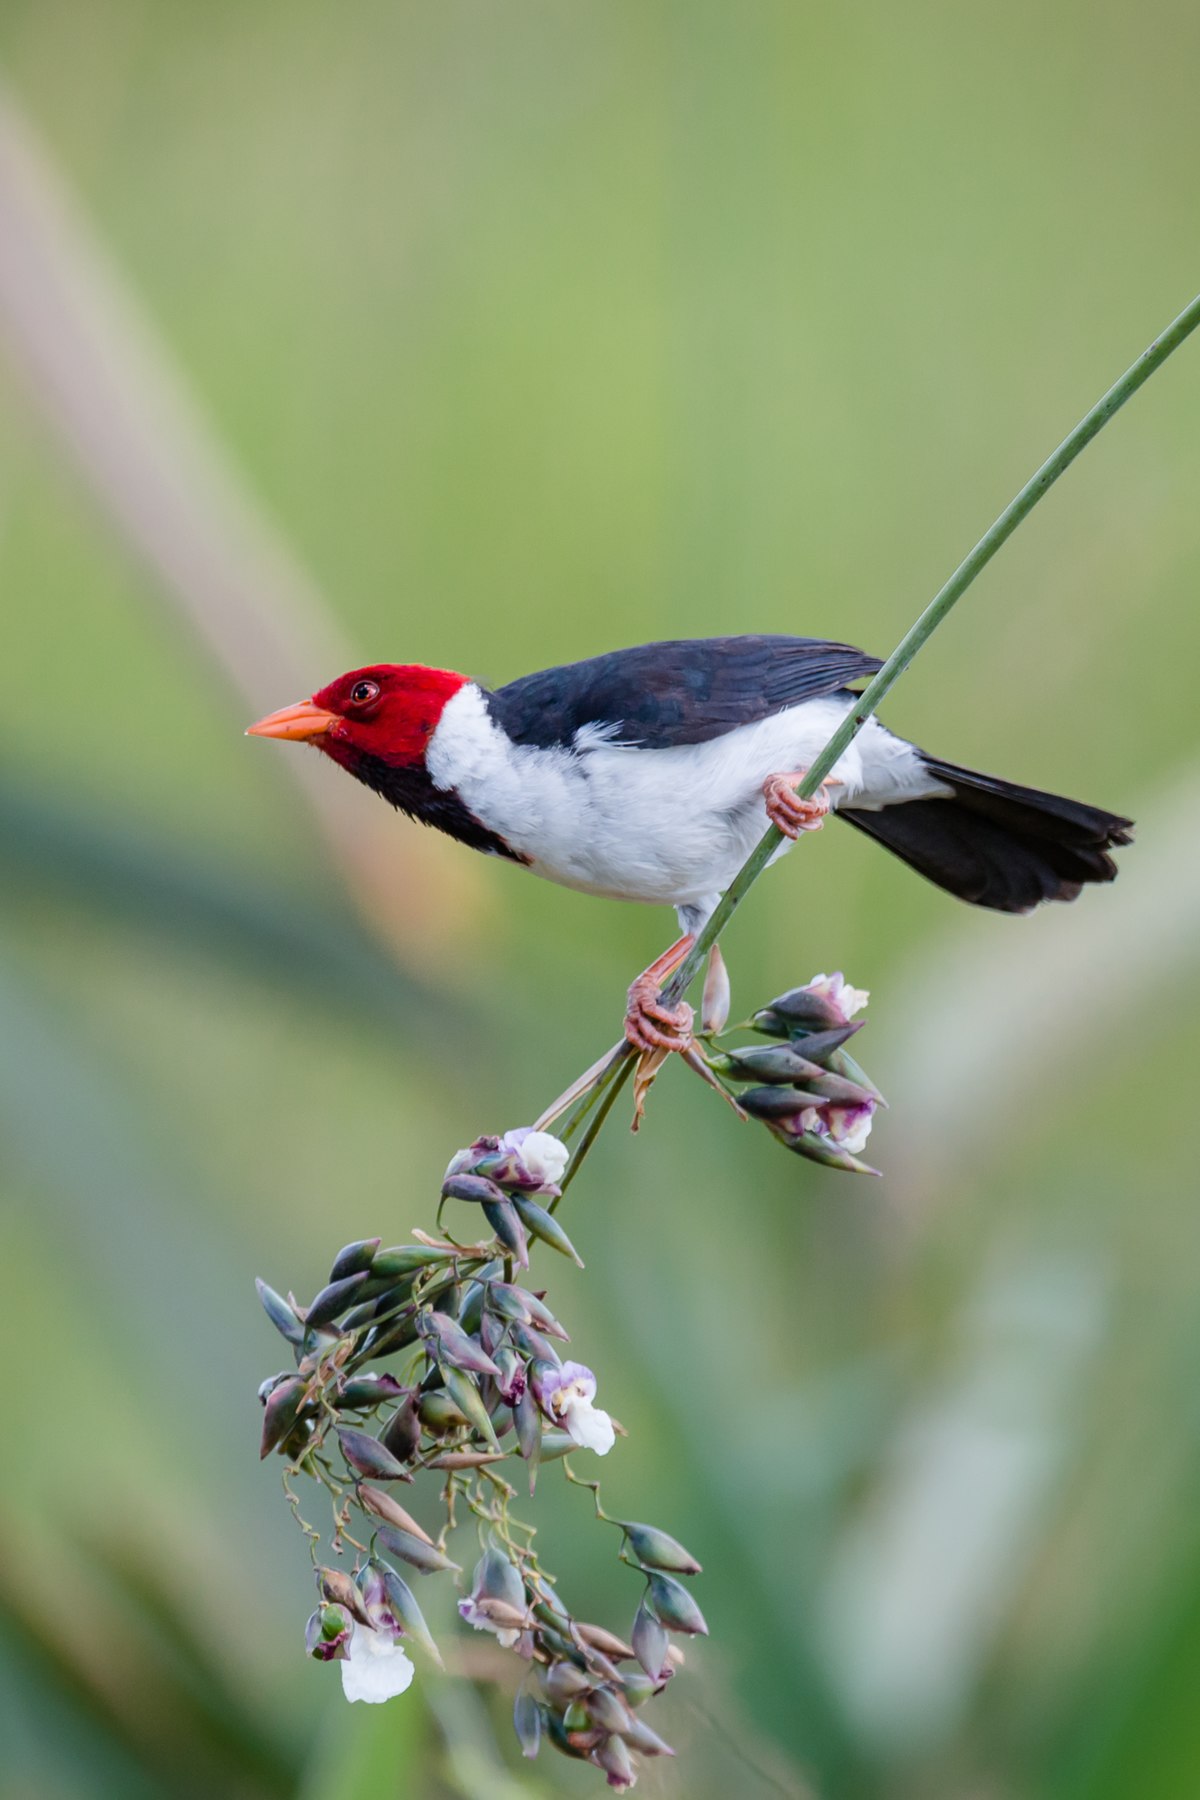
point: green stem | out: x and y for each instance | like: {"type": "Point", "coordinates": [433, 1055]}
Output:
{"type": "Point", "coordinates": [1014, 513]}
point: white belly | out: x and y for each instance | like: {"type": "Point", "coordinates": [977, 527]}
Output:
{"type": "Point", "coordinates": [672, 826]}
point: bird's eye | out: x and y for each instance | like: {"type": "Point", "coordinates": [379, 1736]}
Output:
{"type": "Point", "coordinates": [363, 691]}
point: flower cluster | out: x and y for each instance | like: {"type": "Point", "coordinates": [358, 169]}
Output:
{"type": "Point", "coordinates": [805, 1086]}
{"type": "Point", "coordinates": [476, 1382]}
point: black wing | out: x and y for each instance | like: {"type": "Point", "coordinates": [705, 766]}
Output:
{"type": "Point", "coordinates": [680, 692]}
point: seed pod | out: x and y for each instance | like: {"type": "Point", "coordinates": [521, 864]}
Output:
{"type": "Point", "coordinates": [374, 1500]}
{"type": "Point", "coordinates": [402, 1433]}
{"type": "Point", "coordinates": [649, 1640]}
{"type": "Point", "coordinates": [425, 1557]}
{"type": "Point", "coordinates": [452, 1345]}
{"type": "Point", "coordinates": [538, 1222]}
{"type": "Point", "coordinates": [502, 1217]}
{"type": "Point", "coordinates": [403, 1606]}
{"type": "Point", "coordinates": [368, 1456]}
{"type": "Point", "coordinates": [476, 1188]}
{"type": "Point", "coordinates": [281, 1315]}
{"type": "Point", "coordinates": [466, 1396]}
{"type": "Point", "coordinates": [282, 1411]}
{"type": "Point", "coordinates": [675, 1608]}
{"type": "Point", "coordinates": [354, 1259]}
{"type": "Point", "coordinates": [363, 1391]}
{"type": "Point", "coordinates": [658, 1551]}
{"type": "Point", "coordinates": [527, 1722]}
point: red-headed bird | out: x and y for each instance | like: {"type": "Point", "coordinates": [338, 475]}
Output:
{"type": "Point", "coordinates": [650, 774]}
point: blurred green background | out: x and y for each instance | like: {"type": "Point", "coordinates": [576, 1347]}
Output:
{"type": "Point", "coordinates": [491, 336]}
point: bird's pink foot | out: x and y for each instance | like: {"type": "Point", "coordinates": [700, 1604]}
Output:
{"type": "Point", "coordinates": [649, 1024]}
{"type": "Point", "coordinates": [787, 811]}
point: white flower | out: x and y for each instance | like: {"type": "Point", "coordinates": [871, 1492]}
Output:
{"type": "Point", "coordinates": [569, 1397]}
{"type": "Point", "coordinates": [377, 1667]}
{"type": "Point", "coordinates": [835, 988]}
{"type": "Point", "coordinates": [850, 1126]}
{"type": "Point", "coordinates": [543, 1157]}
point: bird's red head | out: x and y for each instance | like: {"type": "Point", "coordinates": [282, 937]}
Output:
{"type": "Point", "coordinates": [389, 711]}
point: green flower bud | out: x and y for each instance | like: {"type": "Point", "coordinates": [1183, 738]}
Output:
{"type": "Point", "coordinates": [539, 1223]}
{"type": "Point", "coordinates": [675, 1608]}
{"type": "Point", "coordinates": [282, 1316]}
{"type": "Point", "coordinates": [414, 1550]}
{"type": "Point", "coordinates": [404, 1609]}
{"type": "Point", "coordinates": [283, 1406]}
{"type": "Point", "coordinates": [656, 1550]}
{"type": "Point", "coordinates": [332, 1300]}
{"type": "Point", "coordinates": [527, 1722]}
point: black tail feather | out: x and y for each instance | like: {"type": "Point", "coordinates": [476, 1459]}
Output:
{"type": "Point", "coordinates": [996, 844]}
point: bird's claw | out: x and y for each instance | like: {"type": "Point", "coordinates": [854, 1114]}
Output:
{"type": "Point", "coordinates": [788, 812]}
{"type": "Point", "coordinates": [650, 1024]}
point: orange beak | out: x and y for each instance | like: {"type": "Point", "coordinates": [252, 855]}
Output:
{"type": "Point", "coordinates": [304, 722]}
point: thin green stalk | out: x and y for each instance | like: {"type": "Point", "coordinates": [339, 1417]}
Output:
{"type": "Point", "coordinates": [972, 565]}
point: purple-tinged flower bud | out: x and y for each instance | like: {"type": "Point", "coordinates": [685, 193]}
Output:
{"type": "Point", "coordinates": [542, 1317]}
{"type": "Point", "coordinates": [640, 1737]}
{"type": "Point", "coordinates": [466, 1396]}
{"type": "Point", "coordinates": [607, 1642]}
{"type": "Point", "coordinates": [613, 1757]}
{"type": "Point", "coordinates": [327, 1634]}
{"type": "Point", "coordinates": [402, 1433]}
{"type": "Point", "coordinates": [533, 1345]}
{"type": "Point", "coordinates": [821, 1149]}
{"type": "Point", "coordinates": [367, 1456]}
{"type": "Point", "coordinates": [824, 1003]}
{"type": "Point", "coordinates": [501, 1215]}
{"type": "Point", "coordinates": [402, 1605]}
{"type": "Point", "coordinates": [491, 1334]}
{"type": "Point", "coordinates": [607, 1710]}
{"type": "Point", "coordinates": [563, 1682]}
{"type": "Point", "coordinates": [528, 1420]}
{"type": "Point", "coordinates": [649, 1640]}
{"type": "Point", "coordinates": [338, 1588]}
{"type": "Point", "coordinates": [768, 1062]}
{"type": "Point", "coordinates": [283, 1407]}
{"type": "Point", "coordinates": [282, 1316]}
{"type": "Point", "coordinates": [354, 1259]}
{"type": "Point", "coordinates": [471, 1187]}
{"type": "Point", "coordinates": [511, 1377]}
{"type": "Point", "coordinates": [362, 1392]}
{"type": "Point", "coordinates": [656, 1550]}
{"type": "Point", "coordinates": [332, 1300]}
{"type": "Point", "coordinates": [374, 1500]}
{"type": "Point", "coordinates": [497, 1600]}
{"type": "Point", "coordinates": [507, 1302]}
{"type": "Point", "coordinates": [714, 1004]}
{"type": "Point", "coordinates": [527, 1721]}
{"type": "Point", "coordinates": [414, 1550]}
{"type": "Point", "coordinates": [453, 1345]}
{"type": "Point", "coordinates": [675, 1608]}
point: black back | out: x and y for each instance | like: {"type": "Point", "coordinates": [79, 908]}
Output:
{"type": "Point", "coordinates": [683, 691]}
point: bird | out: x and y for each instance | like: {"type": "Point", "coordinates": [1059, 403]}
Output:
{"type": "Point", "coordinates": [650, 773]}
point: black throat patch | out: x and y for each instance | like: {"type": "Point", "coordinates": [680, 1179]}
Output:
{"type": "Point", "coordinates": [411, 791]}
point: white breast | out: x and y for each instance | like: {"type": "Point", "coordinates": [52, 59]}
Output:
{"type": "Point", "coordinates": [673, 825]}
